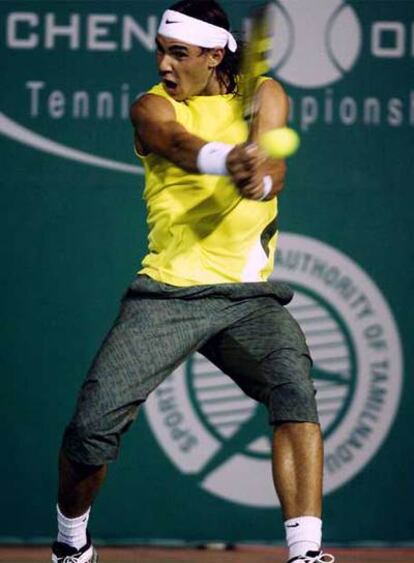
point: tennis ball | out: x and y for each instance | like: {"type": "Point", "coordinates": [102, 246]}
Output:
{"type": "Point", "coordinates": [280, 143]}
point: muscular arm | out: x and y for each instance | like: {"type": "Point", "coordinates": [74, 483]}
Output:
{"type": "Point", "coordinates": [273, 113]}
{"type": "Point", "coordinates": [157, 130]}
{"type": "Point", "coordinates": [273, 109]}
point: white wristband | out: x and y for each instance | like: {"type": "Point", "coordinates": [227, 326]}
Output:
{"type": "Point", "coordinates": [267, 186]}
{"type": "Point", "coordinates": [212, 157]}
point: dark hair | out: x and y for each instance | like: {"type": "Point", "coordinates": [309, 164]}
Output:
{"type": "Point", "coordinates": [211, 12]}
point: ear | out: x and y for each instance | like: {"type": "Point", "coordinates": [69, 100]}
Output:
{"type": "Point", "coordinates": [215, 57]}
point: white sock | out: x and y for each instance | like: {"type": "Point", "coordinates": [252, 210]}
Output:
{"type": "Point", "coordinates": [303, 534]}
{"type": "Point", "coordinates": [72, 531]}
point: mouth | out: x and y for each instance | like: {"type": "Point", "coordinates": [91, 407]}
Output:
{"type": "Point", "coordinates": [170, 85]}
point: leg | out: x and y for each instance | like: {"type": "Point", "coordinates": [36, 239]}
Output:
{"type": "Point", "coordinates": [297, 464]}
{"type": "Point", "coordinates": [78, 485]}
{"type": "Point", "coordinates": [267, 356]}
{"type": "Point", "coordinates": [142, 348]}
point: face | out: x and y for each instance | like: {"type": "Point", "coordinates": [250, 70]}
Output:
{"type": "Point", "coordinates": [186, 70]}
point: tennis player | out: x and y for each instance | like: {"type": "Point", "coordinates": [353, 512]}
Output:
{"type": "Point", "coordinates": [212, 209]}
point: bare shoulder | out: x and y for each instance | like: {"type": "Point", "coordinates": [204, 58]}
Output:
{"type": "Point", "coordinates": [151, 107]}
{"type": "Point", "coordinates": [273, 104]}
{"type": "Point", "coordinates": [271, 89]}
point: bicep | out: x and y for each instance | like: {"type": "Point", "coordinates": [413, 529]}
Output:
{"type": "Point", "coordinates": [158, 131]}
{"type": "Point", "coordinates": [153, 119]}
{"type": "Point", "coordinates": [273, 109]}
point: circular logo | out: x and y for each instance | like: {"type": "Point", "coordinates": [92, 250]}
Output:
{"type": "Point", "coordinates": [316, 47]}
{"type": "Point", "coordinates": [219, 437]}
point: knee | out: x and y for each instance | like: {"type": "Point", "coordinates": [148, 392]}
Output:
{"type": "Point", "coordinates": [95, 442]}
{"type": "Point", "coordinates": [89, 444]}
{"type": "Point", "coordinates": [93, 437]}
{"type": "Point", "coordinates": [293, 402]}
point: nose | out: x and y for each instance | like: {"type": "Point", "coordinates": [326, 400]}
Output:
{"type": "Point", "coordinates": [164, 63]}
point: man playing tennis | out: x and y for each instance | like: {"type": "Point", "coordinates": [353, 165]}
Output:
{"type": "Point", "coordinates": [212, 207]}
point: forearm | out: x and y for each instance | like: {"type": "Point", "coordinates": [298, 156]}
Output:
{"type": "Point", "coordinates": [158, 131]}
{"type": "Point", "coordinates": [176, 144]}
{"type": "Point", "coordinates": [187, 151]}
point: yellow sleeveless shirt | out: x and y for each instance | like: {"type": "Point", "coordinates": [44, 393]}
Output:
{"type": "Point", "coordinates": [201, 231]}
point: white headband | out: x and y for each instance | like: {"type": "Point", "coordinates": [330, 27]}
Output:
{"type": "Point", "coordinates": [176, 25]}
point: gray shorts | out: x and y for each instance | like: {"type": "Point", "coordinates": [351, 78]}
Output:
{"type": "Point", "coordinates": [244, 329]}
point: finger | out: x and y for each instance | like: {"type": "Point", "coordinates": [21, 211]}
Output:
{"type": "Point", "coordinates": [252, 154]}
{"type": "Point", "coordinates": [253, 190]}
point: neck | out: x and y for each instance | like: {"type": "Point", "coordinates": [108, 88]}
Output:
{"type": "Point", "coordinates": [214, 87]}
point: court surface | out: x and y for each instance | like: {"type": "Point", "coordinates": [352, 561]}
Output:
{"type": "Point", "coordinates": [239, 555]}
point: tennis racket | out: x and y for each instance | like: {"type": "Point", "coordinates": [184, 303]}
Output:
{"type": "Point", "coordinates": [256, 58]}
{"type": "Point", "coordinates": [257, 61]}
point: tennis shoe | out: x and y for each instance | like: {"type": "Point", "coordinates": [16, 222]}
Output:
{"type": "Point", "coordinates": [313, 557]}
{"type": "Point", "coordinates": [62, 553]}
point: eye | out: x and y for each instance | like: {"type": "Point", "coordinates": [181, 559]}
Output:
{"type": "Point", "coordinates": [179, 55]}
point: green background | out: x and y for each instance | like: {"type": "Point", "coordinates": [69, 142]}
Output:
{"type": "Point", "coordinates": [73, 236]}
